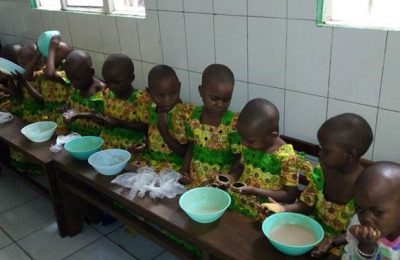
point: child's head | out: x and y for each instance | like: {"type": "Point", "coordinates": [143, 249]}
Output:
{"type": "Point", "coordinates": [216, 88]}
{"type": "Point", "coordinates": [164, 87]}
{"type": "Point", "coordinates": [26, 54]}
{"type": "Point", "coordinates": [10, 51]}
{"type": "Point", "coordinates": [78, 67]}
{"type": "Point", "coordinates": [118, 73]}
{"type": "Point", "coordinates": [258, 124]}
{"type": "Point", "coordinates": [343, 139]}
{"type": "Point", "coordinates": [377, 198]}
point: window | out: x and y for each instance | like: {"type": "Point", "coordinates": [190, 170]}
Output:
{"type": "Point", "coordinates": [374, 14]}
{"type": "Point", "coordinates": [123, 7]}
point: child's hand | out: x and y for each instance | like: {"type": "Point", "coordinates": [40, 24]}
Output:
{"type": "Point", "coordinates": [322, 248]}
{"type": "Point", "coordinates": [68, 116]}
{"type": "Point", "coordinates": [247, 190]}
{"type": "Point", "coordinates": [137, 148]}
{"type": "Point", "coordinates": [162, 120]}
{"type": "Point", "coordinates": [185, 179]}
{"type": "Point", "coordinates": [272, 207]}
{"type": "Point", "coordinates": [365, 234]}
{"type": "Point", "coordinates": [55, 41]}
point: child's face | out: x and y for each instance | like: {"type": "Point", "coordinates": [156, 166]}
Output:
{"type": "Point", "coordinates": [379, 208]}
{"type": "Point", "coordinates": [118, 79]}
{"type": "Point", "coordinates": [164, 92]}
{"type": "Point", "coordinates": [216, 96]}
{"type": "Point", "coordinates": [331, 154]}
{"type": "Point", "coordinates": [81, 78]}
{"type": "Point", "coordinates": [256, 139]}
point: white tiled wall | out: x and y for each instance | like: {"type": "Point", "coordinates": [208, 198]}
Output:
{"type": "Point", "coordinates": [273, 46]}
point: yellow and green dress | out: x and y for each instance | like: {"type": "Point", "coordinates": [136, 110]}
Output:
{"type": "Point", "coordinates": [269, 171]}
{"type": "Point", "coordinates": [334, 218]}
{"type": "Point", "coordinates": [92, 104]}
{"type": "Point", "coordinates": [213, 147]}
{"type": "Point", "coordinates": [159, 155]}
{"type": "Point", "coordinates": [132, 109]}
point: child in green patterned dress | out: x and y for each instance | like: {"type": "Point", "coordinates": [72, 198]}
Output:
{"type": "Point", "coordinates": [166, 121]}
{"type": "Point", "coordinates": [211, 129]}
{"type": "Point", "coordinates": [329, 195]}
{"type": "Point", "coordinates": [125, 108]}
{"type": "Point", "coordinates": [269, 164]}
{"type": "Point", "coordinates": [86, 99]}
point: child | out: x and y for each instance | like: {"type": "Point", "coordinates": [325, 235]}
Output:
{"type": "Point", "coordinates": [269, 164]}
{"type": "Point", "coordinates": [167, 117]}
{"type": "Point", "coordinates": [211, 129]}
{"type": "Point", "coordinates": [374, 233]}
{"type": "Point", "coordinates": [343, 140]}
{"type": "Point", "coordinates": [86, 98]}
{"type": "Point", "coordinates": [125, 108]}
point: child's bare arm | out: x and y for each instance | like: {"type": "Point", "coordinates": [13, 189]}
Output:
{"type": "Point", "coordinates": [327, 244]}
{"type": "Point", "coordinates": [31, 90]}
{"type": "Point", "coordinates": [286, 195]}
{"type": "Point", "coordinates": [30, 68]}
{"type": "Point", "coordinates": [237, 168]}
{"type": "Point", "coordinates": [50, 71]}
{"type": "Point", "coordinates": [173, 144]}
{"type": "Point", "coordinates": [185, 171]}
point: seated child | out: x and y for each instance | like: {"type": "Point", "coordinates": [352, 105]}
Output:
{"type": "Point", "coordinates": [374, 233]}
{"type": "Point", "coordinates": [329, 195]}
{"type": "Point", "coordinates": [86, 98]}
{"type": "Point", "coordinates": [211, 129]}
{"type": "Point", "coordinates": [166, 121]}
{"type": "Point", "coordinates": [269, 164]}
{"type": "Point", "coordinates": [125, 108]}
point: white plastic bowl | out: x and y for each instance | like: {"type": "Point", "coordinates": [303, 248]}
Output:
{"type": "Point", "coordinates": [110, 161]}
{"type": "Point", "coordinates": [39, 131]}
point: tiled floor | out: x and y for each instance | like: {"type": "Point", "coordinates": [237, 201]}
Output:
{"type": "Point", "coordinates": [28, 231]}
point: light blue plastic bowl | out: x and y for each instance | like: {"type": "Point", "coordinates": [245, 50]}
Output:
{"type": "Point", "coordinates": [39, 131]}
{"type": "Point", "coordinates": [205, 204]}
{"type": "Point", "coordinates": [110, 161]}
{"type": "Point", "coordinates": [7, 67]}
{"type": "Point", "coordinates": [83, 147]}
{"type": "Point", "coordinates": [43, 41]}
{"type": "Point", "coordinates": [271, 223]}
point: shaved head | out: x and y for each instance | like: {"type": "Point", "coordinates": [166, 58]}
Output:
{"type": "Point", "coordinates": [217, 72]}
{"type": "Point", "coordinates": [78, 59]}
{"type": "Point", "coordinates": [260, 114]}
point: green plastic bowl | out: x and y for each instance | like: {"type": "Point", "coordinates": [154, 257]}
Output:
{"type": "Point", "coordinates": [273, 222]}
{"type": "Point", "coordinates": [83, 147]}
{"type": "Point", "coordinates": [205, 204]}
{"type": "Point", "coordinates": [43, 41]}
{"type": "Point", "coordinates": [39, 131]}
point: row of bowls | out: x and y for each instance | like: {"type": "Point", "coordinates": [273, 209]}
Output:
{"type": "Point", "coordinates": [203, 205]}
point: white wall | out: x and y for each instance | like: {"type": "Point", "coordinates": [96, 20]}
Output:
{"type": "Point", "coordinates": [273, 46]}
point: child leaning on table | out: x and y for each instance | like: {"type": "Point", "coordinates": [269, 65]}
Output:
{"type": "Point", "coordinates": [329, 195]}
{"type": "Point", "coordinates": [167, 142]}
{"type": "Point", "coordinates": [211, 129]}
{"type": "Point", "coordinates": [125, 107]}
{"type": "Point", "coordinates": [86, 98]}
{"type": "Point", "coordinates": [270, 166]}
{"type": "Point", "coordinates": [374, 232]}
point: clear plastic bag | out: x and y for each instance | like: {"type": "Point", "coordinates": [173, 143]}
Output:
{"type": "Point", "coordinates": [62, 139]}
{"type": "Point", "coordinates": [5, 117]}
{"type": "Point", "coordinates": [164, 184]}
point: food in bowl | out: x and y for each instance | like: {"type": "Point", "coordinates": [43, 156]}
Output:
{"type": "Point", "coordinates": [292, 233]}
{"type": "Point", "coordinates": [110, 161]}
{"type": "Point", "coordinates": [40, 131]}
{"type": "Point", "coordinates": [82, 147]}
{"type": "Point", "coordinates": [205, 204]}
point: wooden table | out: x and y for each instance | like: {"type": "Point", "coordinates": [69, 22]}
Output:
{"type": "Point", "coordinates": [234, 236]}
{"type": "Point", "coordinates": [11, 137]}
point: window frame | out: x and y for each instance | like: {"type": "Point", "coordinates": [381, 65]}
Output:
{"type": "Point", "coordinates": [106, 9]}
{"type": "Point", "coordinates": [322, 23]}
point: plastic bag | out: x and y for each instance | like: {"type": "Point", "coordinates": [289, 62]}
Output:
{"type": "Point", "coordinates": [62, 139]}
{"type": "Point", "coordinates": [5, 117]}
{"type": "Point", "coordinates": [146, 180]}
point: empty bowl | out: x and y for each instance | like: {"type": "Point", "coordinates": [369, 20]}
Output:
{"type": "Point", "coordinates": [43, 41]}
{"type": "Point", "coordinates": [292, 233]}
{"type": "Point", "coordinates": [83, 147]}
{"type": "Point", "coordinates": [39, 131]}
{"type": "Point", "coordinates": [205, 204]}
{"type": "Point", "coordinates": [110, 161]}
{"type": "Point", "coordinates": [8, 67]}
